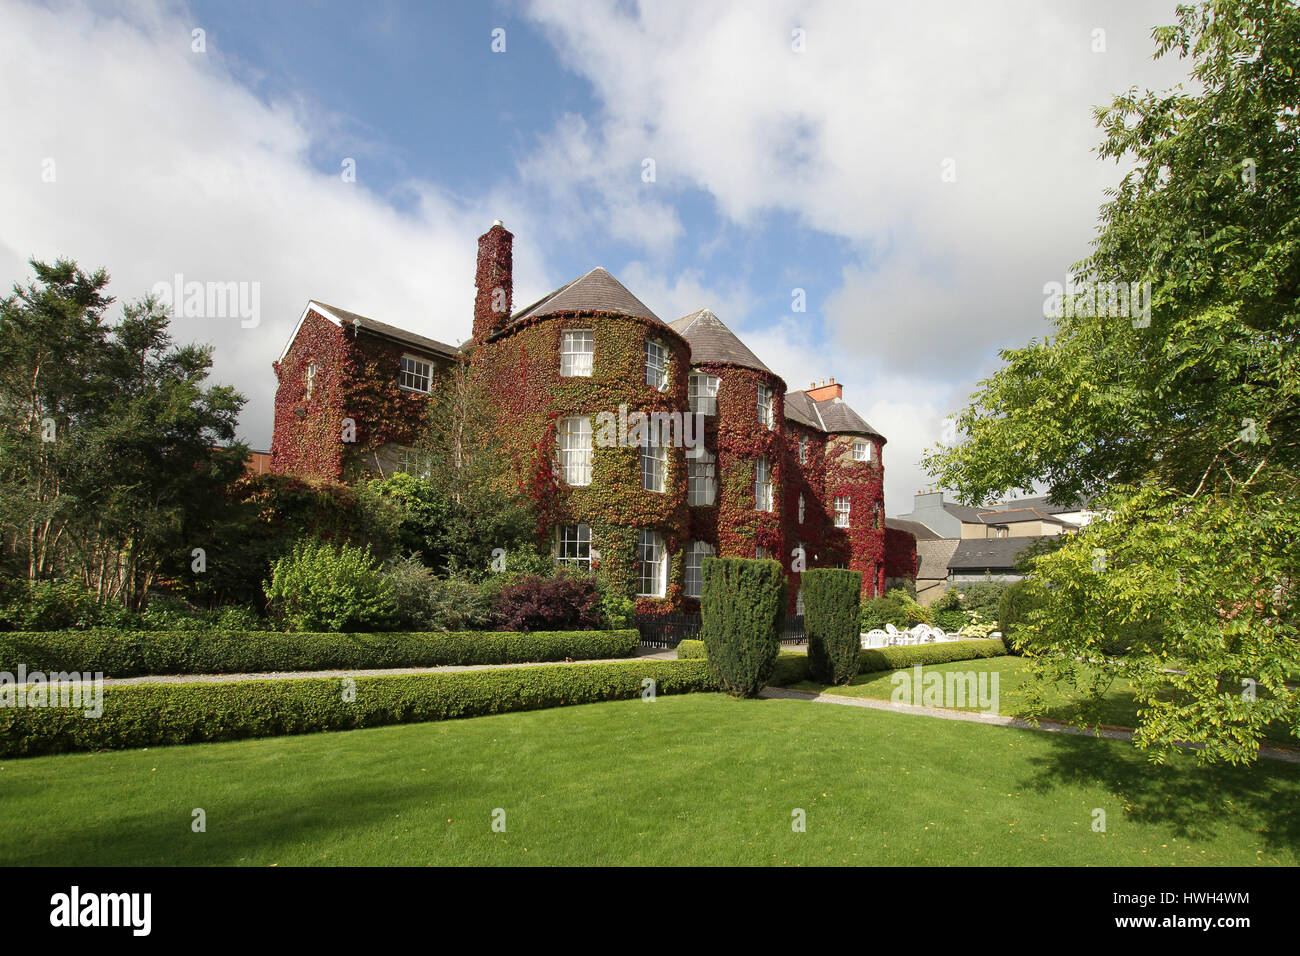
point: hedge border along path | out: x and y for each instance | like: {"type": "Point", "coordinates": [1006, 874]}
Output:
{"type": "Point", "coordinates": [152, 715]}
{"type": "Point", "coordinates": [793, 668]}
{"type": "Point", "coordinates": [140, 653]}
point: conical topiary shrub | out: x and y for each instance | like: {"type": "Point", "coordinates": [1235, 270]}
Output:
{"type": "Point", "coordinates": [743, 607]}
{"type": "Point", "coordinates": [831, 601]}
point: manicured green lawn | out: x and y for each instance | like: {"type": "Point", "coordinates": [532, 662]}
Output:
{"type": "Point", "coordinates": [1118, 708]}
{"type": "Point", "coordinates": [699, 778]}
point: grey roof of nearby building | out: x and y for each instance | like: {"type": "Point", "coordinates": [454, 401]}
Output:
{"type": "Point", "coordinates": [978, 554]}
{"type": "Point", "coordinates": [1015, 515]}
{"type": "Point", "coordinates": [712, 341]}
{"type": "Point", "coordinates": [385, 330]}
{"type": "Point", "coordinates": [1040, 503]}
{"type": "Point", "coordinates": [597, 291]}
{"type": "Point", "coordinates": [963, 512]}
{"type": "Point", "coordinates": [915, 528]}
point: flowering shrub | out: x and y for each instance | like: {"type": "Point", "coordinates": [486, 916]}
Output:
{"type": "Point", "coordinates": [318, 588]}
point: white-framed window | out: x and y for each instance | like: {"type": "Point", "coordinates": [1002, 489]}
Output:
{"type": "Point", "coordinates": [702, 392]}
{"type": "Point", "coordinates": [654, 466]}
{"type": "Point", "coordinates": [762, 485]}
{"type": "Point", "coordinates": [573, 449]}
{"type": "Point", "coordinates": [798, 601]}
{"type": "Point", "coordinates": [801, 507]}
{"type": "Point", "coordinates": [656, 364]}
{"type": "Point", "coordinates": [416, 374]}
{"type": "Point", "coordinates": [803, 451]}
{"type": "Point", "coordinates": [311, 377]}
{"type": "Point", "coordinates": [761, 553]}
{"type": "Point", "coordinates": [701, 479]}
{"type": "Point", "coordinates": [652, 561]}
{"type": "Point", "coordinates": [841, 565]}
{"type": "Point", "coordinates": [413, 461]}
{"type": "Point", "coordinates": [577, 347]}
{"type": "Point", "coordinates": [696, 552]}
{"type": "Point", "coordinates": [861, 450]}
{"type": "Point", "coordinates": [841, 511]}
{"type": "Point", "coordinates": [573, 544]}
{"type": "Point", "coordinates": [765, 405]}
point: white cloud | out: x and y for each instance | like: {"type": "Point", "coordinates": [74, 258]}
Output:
{"type": "Point", "coordinates": [851, 137]}
{"type": "Point", "coordinates": [165, 164]}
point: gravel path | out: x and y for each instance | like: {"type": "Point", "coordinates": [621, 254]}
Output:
{"type": "Point", "coordinates": [656, 654]}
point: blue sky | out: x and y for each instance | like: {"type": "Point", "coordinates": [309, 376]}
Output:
{"type": "Point", "coordinates": [813, 160]}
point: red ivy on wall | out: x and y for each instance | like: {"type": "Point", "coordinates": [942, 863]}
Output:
{"type": "Point", "coordinates": [355, 404]}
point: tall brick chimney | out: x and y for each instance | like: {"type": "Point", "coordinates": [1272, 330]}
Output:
{"type": "Point", "coordinates": [493, 278]}
{"type": "Point", "coordinates": [819, 392]}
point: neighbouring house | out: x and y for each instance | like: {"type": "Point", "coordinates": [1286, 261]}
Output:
{"type": "Point", "coordinates": [985, 543]}
{"type": "Point", "coordinates": [773, 471]}
{"type": "Point", "coordinates": [258, 462]}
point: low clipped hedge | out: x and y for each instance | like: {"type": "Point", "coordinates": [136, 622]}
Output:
{"type": "Point", "coordinates": [793, 668]}
{"type": "Point", "coordinates": [152, 715]}
{"type": "Point", "coordinates": [691, 650]}
{"type": "Point", "coordinates": [137, 653]}
{"type": "Point", "coordinates": [893, 658]}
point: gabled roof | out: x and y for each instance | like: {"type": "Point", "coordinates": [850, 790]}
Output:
{"type": "Point", "coordinates": [342, 317]}
{"type": "Point", "coordinates": [802, 409]}
{"type": "Point", "coordinates": [830, 415]}
{"type": "Point", "coordinates": [1041, 503]}
{"type": "Point", "coordinates": [712, 341]}
{"type": "Point", "coordinates": [963, 512]}
{"type": "Point", "coordinates": [914, 528]}
{"type": "Point", "coordinates": [993, 554]}
{"type": "Point", "coordinates": [597, 291]}
{"type": "Point", "coordinates": [1014, 515]}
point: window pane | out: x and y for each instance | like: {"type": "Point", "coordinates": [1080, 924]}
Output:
{"type": "Point", "coordinates": [656, 364]}
{"type": "Point", "coordinates": [701, 480]}
{"type": "Point", "coordinates": [574, 544]}
{"type": "Point", "coordinates": [703, 393]}
{"type": "Point", "coordinates": [696, 552]}
{"type": "Point", "coordinates": [652, 561]}
{"type": "Point", "coordinates": [762, 486]}
{"type": "Point", "coordinates": [577, 346]}
{"type": "Point", "coordinates": [841, 511]}
{"type": "Point", "coordinates": [574, 446]}
{"type": "Point", "coordinates": [415, 374]}
{"type": "Point", "coordinates": [654, 466]}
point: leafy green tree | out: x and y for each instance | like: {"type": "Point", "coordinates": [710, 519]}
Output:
{"type": "Point", "coordinates": [469, 504]}
{"type": "Point", "coordinates": [109, 465]}
{"type": "Point", "coordinates": [1181, 420]}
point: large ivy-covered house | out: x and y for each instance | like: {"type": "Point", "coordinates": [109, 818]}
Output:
{"type": "Point", "coordinates": [792, 475]}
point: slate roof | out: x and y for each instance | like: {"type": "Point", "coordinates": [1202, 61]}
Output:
{"type": "Point", "coordinates": [994, 554]}
{"type": "Point", "coordinates": [963, 512]}
{"type": "Point", "coordinates": [597, 291]}
{"type": "Point", "coordinates": [1040, 503]}
{"type": "Point", "coordinates": [914, 528]}
{"type": "Point", "coordinates": [830, 415]}
{"type": "Point", "coordinates": [387, 331]}
{"type": "Point", "coordinates": [712, 341]}
{"type": "Point", "coordinates": [1019, 514]}
{"type": "Point", "coordinates": [802, 409]}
